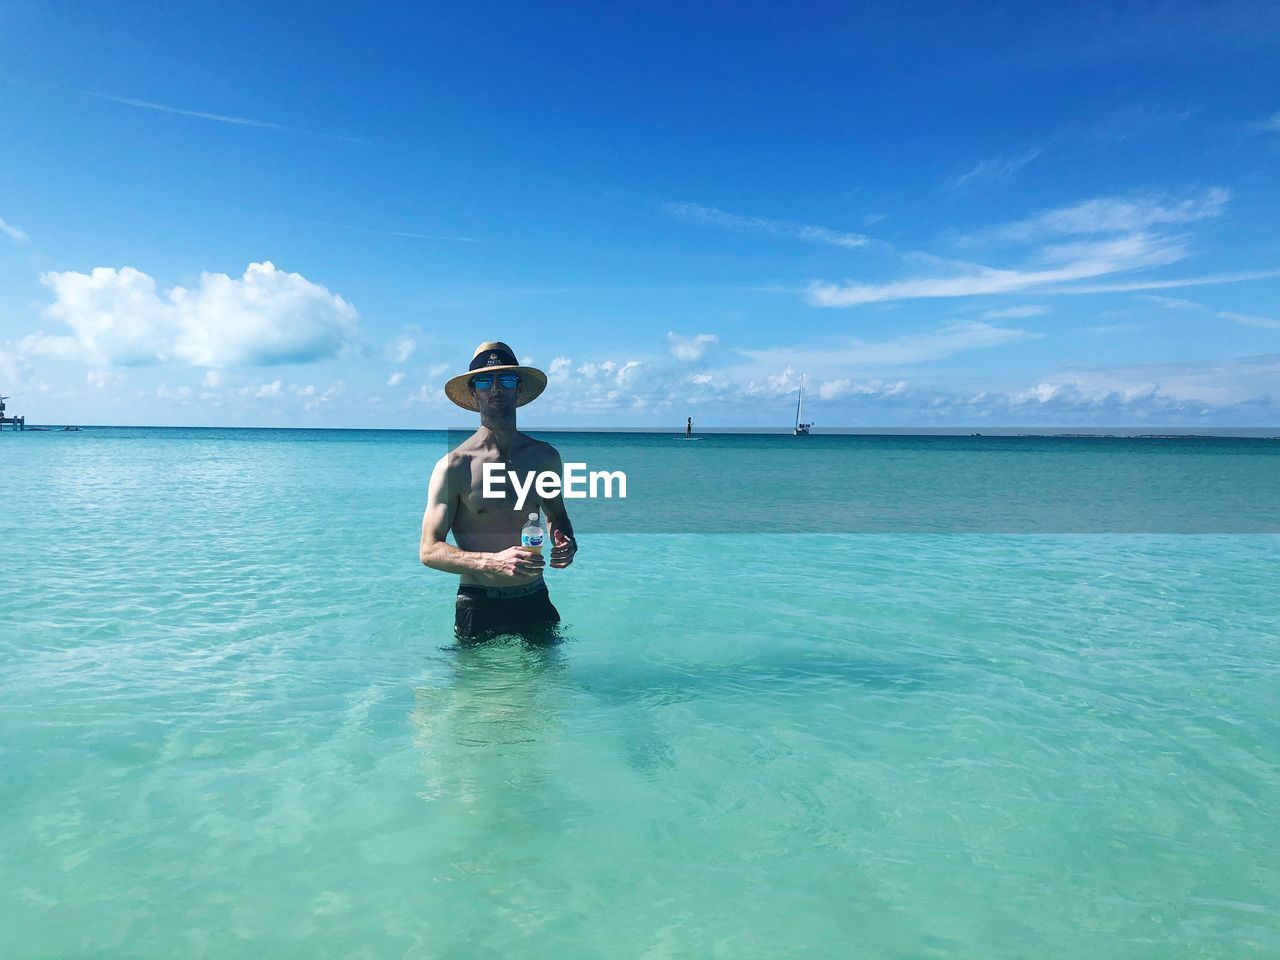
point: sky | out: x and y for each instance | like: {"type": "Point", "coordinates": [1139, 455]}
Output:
{"type": "Point", "coordinates": [1032, 214]}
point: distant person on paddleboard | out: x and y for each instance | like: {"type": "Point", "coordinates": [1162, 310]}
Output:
{"type": "Point", "coordinates": [501, 590]}
{"type": "Point", "coordinates": [688, 428]}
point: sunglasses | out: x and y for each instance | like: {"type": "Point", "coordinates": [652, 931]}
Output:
{"type": "Point", "coordinates": [508, 381]}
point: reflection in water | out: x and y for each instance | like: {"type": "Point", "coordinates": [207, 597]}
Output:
{"type": "Point", "coordinates": [488, 731]}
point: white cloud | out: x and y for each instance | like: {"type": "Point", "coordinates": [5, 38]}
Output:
{"type": "Point", "coordinates": [608, 384]}
{"type": "Point", "coordinates": [1123, 252]}
{"type": "Point", "coordinates": [1093, 261]}
{"type": "Point", "coordinates": [1114, 215]}
{"type": "Point", "coordinates": [1087, 389]}
{"type": "Point", "coordinates": [266, 317]}
{"type": "Point", "coordinates": [1135, 285]}
{"type": "Point", "coordinates": [213, 379]}
{"type": "Point", "coordinates": [907, 349]}
{"type": "Point", "coordinates": [1015, 313]}
{"type": "Point", "coordinates": [271, 389]}
{"type": "Point", "coordinates": [199, 114]}
{"type": "Point", "coordinates": [103, 379]}
{"type": "Point", "coordinates": [1106, 328]}
{"type": "Point", "coordinates": [1270, 125]}
{"type": "Point", "coordinates": [1067, 245]}
{"type": "Point", "coordinates": [783, 382]}
{"type": "Point", "coordinates": [1172, 303]}
{"type": "Point", "coordinates": [1218, 383]}
{"type": "Point", "coordinates": [762, 389]}
{"type": "Point", "coordinates": [1058, 263]}
{"type": "Point", "coordinates": [218, 117]}
{"type": "Point", "coordinates": [711, 217]}
{"type": "Point", "coordinates": [660, 383]}
{"type": "Point", "coordinates": [181, 394]}
{"type": "Point", "coordinates": [996, 168]}
{"type": "Point", "coordinates": [627, 372]}
{"type": "Point", "coordinates": [400, 349]}
{"type": "Point", "coordinates": [840, 389]}
{"type": "Point", "coordinates": [690, 348]}
{"type": "Point", "coordinates": [395, 379]}
{"type": "Point", "coordinates": [116, 317]}
{"type": "Point", "coordinates": [1249, 320]}
{"type": "Point", "coordinates": [317, 400]}
{"type": "Point", "coordinates": [15, 370]}
{"type": "Point", "coordinates": [1227, 392]}
{"type": "Point", "coordinates": [13, 232]}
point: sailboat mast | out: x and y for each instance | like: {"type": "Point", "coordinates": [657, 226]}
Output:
{"type": "Point", "coordinates": [799, 400]}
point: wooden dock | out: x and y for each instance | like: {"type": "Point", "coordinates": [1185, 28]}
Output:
{"type": "Point", "coordinates": [19, 423]}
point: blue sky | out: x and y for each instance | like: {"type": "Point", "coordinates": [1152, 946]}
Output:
{"type": "Point", "coordinates": [946, 214]}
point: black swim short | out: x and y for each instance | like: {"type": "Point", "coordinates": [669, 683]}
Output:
{"type": "Point", "coordinates": [486, 611]}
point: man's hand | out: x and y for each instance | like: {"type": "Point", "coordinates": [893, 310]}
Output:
{"type": "Point", "coordinates": [563, 550]}
{"type": "Point", "coordinates": [516, 562]}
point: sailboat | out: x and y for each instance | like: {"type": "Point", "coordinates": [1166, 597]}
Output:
{"type": "Point", "coordinates": [802, 429]}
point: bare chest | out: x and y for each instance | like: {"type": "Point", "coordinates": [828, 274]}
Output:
{"type": "Point", "coordinates": [498, 512]}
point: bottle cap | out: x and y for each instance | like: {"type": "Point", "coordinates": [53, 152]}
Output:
{"type": "Point", "coordinates": [533, 516]}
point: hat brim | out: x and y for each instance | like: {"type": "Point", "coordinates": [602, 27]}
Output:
{"type": "Point", "coordinates": [532, 383]}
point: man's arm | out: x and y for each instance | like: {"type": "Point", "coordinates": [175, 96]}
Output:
{"type": "Point", "coordinates": [442, 504]}
{"type": "Point", "coordinates": [438, 554]}
{"type": "Point", "coordinates": [563, 543]}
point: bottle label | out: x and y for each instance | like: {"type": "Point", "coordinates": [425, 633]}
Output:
{"type": "Point", "coordinates": [531, 541]}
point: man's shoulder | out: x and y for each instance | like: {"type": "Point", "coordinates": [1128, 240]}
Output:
{"type": "Point", "coordinates": [540, 449]}
{"type": "Point", "coordinates": [459, 459]}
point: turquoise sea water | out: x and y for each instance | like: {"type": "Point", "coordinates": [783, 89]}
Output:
{"type": "Point", "coordinates": [235, 724]}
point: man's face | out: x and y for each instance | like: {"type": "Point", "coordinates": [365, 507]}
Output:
{"type": "Point", "coordinates": [496, 392]}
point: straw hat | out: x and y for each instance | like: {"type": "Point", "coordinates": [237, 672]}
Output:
{"type": "Point", "coordinates": [494, 356]}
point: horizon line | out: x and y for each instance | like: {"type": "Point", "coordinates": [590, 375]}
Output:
{"type": "Point", "coordinates": [1013, 432]}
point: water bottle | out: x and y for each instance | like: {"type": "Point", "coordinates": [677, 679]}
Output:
{"type": "Point", "coordinates": [532, 534]}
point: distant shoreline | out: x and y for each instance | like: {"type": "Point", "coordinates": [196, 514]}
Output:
{"type": "Point", "coordinates": [1071, 433]}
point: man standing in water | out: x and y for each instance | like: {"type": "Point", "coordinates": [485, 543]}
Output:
{"type": "Point", "coordinates": [502, 589]}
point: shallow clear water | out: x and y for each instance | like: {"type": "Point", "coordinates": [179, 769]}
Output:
{"type": "Point", "coordinates": [235, 723]}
